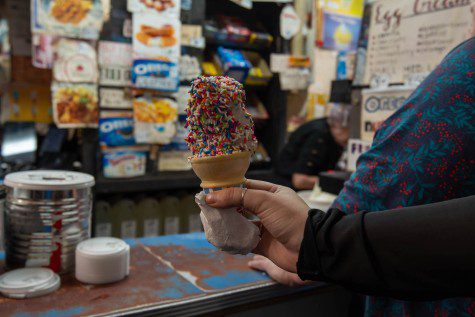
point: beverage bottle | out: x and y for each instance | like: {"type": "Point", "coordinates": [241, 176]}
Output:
{"type": "Point", "coordinates": [125, 224]}
{"type": "Point", "coordinates": [148, 217]}
{"type": "Point", "coordinates": [169, 206]}
{"type": "Point", "coordinates": [191, 211]}
{"type": "Point", "coordinates": [102, 210]}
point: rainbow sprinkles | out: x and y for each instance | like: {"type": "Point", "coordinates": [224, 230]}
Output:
{"type": "Point", "coordinates": [217, 119]}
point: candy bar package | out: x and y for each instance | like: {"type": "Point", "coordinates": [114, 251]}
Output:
{"type": "Point", "coordinates": [156, 37]}
{"type": "Point", "coordinates": [122, 162]}
{"type": "Point", "coordinates": [155, 74]}
{"type": "Point", "coordinates": [233, 63]}
{"type": "Point", "coordinates": [155, 119]}
{"type": "Point", "coordinates": [70, 18]}
{"type": "Point", "coordinates": [116, 98]}
{"type": "Point", "coordinates": [116, 128]}
{"type": "Point", "coordinates": [75, 61]}
{"type": "Point", "coordinates": [161, 7]}
{"type": "Point", "coordinates": [75, 105]}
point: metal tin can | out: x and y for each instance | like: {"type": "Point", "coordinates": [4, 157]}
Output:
{"type": "Point", "coordinates": [47, 214]}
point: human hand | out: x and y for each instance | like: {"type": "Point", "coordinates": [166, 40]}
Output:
{"type": "Point", "coordinates": [281, 211]}
{"type": "Point", "coordinates": [279, 275]}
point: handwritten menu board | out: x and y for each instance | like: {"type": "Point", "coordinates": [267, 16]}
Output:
{"type": "Point", "coordinates": [412, 36]}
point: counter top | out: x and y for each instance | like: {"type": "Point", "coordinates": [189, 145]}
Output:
{"type": "Point", "coordinates": [171, 275]}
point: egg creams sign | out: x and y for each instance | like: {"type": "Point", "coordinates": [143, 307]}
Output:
{"type": "Point", "coordinates": [412, 36]}
{"type": "Point", "coordinates": [378, 105]}
{"type": "Point", "coordinates": [156, 74]}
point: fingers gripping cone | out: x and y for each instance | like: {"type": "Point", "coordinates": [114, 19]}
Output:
{"type": "Point", "coordinates": [223, 170]}
{"type": "Point", "coordinates": [221, 139]}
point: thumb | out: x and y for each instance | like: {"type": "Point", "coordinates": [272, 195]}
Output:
{"type": "Point", "coordinates": [233, 197]}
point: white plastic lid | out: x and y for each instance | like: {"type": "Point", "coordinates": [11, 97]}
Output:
{"type": "Point", "coordinates": [102, 246]}
{"type": "Point", "coordinates": [29, 282]}
{"type": "Point", "coordinates": [49, 180]}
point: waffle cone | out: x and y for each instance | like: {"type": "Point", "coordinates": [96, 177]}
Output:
{"type": "Point", "coordinates": [222, 170]}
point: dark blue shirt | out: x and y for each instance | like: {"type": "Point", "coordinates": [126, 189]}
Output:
{"type": "Point", "coordinates": [424, 153]}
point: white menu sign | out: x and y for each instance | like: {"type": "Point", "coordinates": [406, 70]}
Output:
{"type": "Point", "coordinates": [412, 36]}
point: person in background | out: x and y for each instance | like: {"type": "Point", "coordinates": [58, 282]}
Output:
{"type": "Point", "coordinates": [315, 147]}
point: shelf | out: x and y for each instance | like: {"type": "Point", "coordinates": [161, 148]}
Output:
{"type": "Point", "coordinates": [167, 181]}
{"type": "Point", "coordinates": [236, 45]}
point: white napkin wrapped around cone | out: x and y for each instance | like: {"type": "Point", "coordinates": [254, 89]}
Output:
{"type": "Point", "coordinates": [227, 229]}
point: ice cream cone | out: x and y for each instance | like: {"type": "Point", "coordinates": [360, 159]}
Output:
{"type": "Point", "coordinates": [222, 170]}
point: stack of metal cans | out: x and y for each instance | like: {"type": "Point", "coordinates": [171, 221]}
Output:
{"type": "Point", "coordinates": [47, 214]}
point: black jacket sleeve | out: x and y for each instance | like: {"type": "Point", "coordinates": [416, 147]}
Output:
{"type": "Point", "coordinates": [416, 253]}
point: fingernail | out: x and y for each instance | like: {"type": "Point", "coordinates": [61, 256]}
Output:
{"type": "Point", "coordinates": [210, 199]}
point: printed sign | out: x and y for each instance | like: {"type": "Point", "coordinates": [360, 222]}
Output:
{"type": "Point", "coordinates": [412, 36]}
{"type": "Point", "coordinates": [355, 149]}
{"type": "Point", "coordinates": [75, 62]}
{"type": "Point", "coordinates": [155, 119]}
{"type": "Point", "coordinates": [156, 37]}
{"type": "Point", "coordinates": [71, 18]}
{"type": "Point", "coordinates": [289, 22]}
{"type": "Point", "coordinates": [377, 105]}
{"type": "Point", "coordinates": [75, 105]}
{"type": "Point", "coordinates": [340, 32]}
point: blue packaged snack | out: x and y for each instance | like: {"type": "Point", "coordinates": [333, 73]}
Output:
{"type": "Point", "coordinates": [156, 74]}
{"type": "Point", "coordinates": [116, 128]}
{"type": "Point", "coordinates": [233, 63]}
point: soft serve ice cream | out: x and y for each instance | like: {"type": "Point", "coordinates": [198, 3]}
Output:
{"type": "Point", "coordinates": [217, 119]}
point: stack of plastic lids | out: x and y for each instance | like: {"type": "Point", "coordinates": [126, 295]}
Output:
{"type": "Point", "coordinates": [29, 282]}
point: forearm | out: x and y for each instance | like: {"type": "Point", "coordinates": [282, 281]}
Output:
{"type": "Point", "coordinates": [422, 252]}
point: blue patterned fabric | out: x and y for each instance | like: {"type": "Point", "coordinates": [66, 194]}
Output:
{"type": "Point", "coordinates": [422, 154]}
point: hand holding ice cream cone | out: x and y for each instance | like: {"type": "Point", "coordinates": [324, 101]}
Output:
{"type": "Point", "coordinates": [221, 139]}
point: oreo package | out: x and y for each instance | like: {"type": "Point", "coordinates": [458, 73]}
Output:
{"type": "Point", "coordinates": [116, 128]}
{"type": "Point", "coordinates": [155, 74]}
